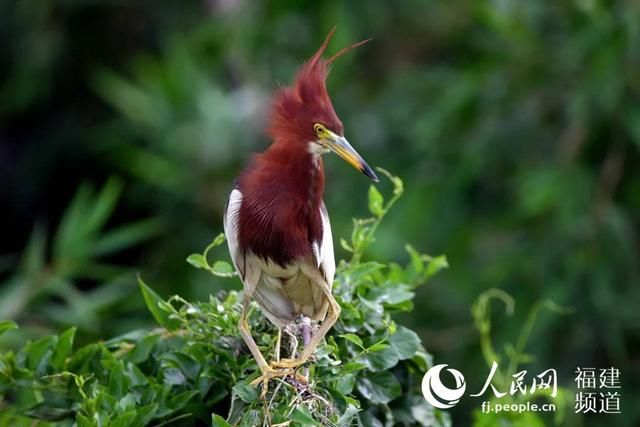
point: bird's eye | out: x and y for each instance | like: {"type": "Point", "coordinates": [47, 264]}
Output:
{"type": "Point", "coordinates": [319, 129]}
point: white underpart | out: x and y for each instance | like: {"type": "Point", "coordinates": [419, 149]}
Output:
{"type": "Point", "coordinates": [283, 293]}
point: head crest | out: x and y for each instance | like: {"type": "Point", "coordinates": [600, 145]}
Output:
{"type": "Point", "coordinates": [307, 101]}
{"type": "Point", "coordinates": [318, 55]}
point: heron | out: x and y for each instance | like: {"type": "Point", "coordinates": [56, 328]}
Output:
{"type": "Point", "coordinates": [276, 223]}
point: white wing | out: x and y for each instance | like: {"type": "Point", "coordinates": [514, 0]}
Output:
{"type": "Point", "coordinates": [247, 269]}
{"type": "Point", "coordinates": [326, 260]}
{"type": "Point", "coordinates": [258, 276]}
{"type": "Point", "coordinates": [231, 213]}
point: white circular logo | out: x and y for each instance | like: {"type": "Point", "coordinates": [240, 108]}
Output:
{"type": "Point", "coordinates": [436, 393]}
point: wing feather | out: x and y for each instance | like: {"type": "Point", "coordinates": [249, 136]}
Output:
{"type": "Point", "coordinates": [230, 221]}
{"type": "Point", "coordinates": [326, 260]}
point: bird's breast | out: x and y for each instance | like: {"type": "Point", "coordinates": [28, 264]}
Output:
{"type": "Point", "coordinates": [283, 227]}
{"type": "Point", "coordinates": [279, 218]}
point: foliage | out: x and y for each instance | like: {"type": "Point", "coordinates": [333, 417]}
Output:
{"type": "Point", "coordinates": [76, 256]}
{"type": "Point", "coordinates": [514, 356]}
{"type": "Point", "coordinates": [515, 123]}
{"type": "Point", "coordinates": [195, 366]}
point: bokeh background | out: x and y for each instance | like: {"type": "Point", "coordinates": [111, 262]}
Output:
{"type": "Point", "coordinates": [515, 125]}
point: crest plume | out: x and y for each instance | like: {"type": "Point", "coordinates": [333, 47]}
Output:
{"type": "Point", "coordinates": [316, 61]}
{"type": "Point", "coordinates": [318, 55]}
{"type": "Point", "coordinates": [307, 98]}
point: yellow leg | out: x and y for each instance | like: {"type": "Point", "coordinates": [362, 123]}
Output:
{"type": "Point", "coordinates": [268, 372]}
{"type": "Point", "coordinates": [248, 339]}
{"type": "Point", "coordinates": [277, 350]}
{"type": "Point", "coordinates": [333, 313]}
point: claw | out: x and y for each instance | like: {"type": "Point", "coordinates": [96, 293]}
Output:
{"type": "Point", "coordinates": [286, 363]}
{"type": "Point", "coordinates": [267, 375]}
{"type": "Point", "coordinates": [270, 373]}
{"type": "Point", "coordinates": [290, 363]}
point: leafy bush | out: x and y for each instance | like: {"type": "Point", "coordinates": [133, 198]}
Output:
{"type": "Point", "coordinates": [513, 357]}
{"type": "Point", "coordinates": [516, 123]}
{"type": "Point", "coordinates": [195, 365]}
{"type": "Point", "coordinates": [70, 279]}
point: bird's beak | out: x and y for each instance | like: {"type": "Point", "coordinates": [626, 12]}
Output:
{"type": "Point", "coordinates": [339, 145]}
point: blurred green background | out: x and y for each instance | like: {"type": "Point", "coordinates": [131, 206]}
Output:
{"type": "Point", "coordinates": [515, 125]}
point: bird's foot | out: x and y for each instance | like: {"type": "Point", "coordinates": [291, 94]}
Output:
{"type": "Point", "coordinates": [286, 363]}
{"type": "Point", "coordinates": [270, 373]}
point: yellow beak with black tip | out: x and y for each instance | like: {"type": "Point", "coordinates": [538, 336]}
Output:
{"type": "Point", "coordinates": [339, 145]}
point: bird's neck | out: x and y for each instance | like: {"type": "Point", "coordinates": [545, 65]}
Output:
{"type": "Point", "coordinates": [300, 168]}
{"type": "Point", "coordinates": [282, 193]}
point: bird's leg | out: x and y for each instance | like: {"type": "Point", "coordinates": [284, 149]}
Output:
{"type": "Point", "coordinates": [293, 340]}
{"type": "Point", "coordinates": [268, 372]}
{"type": "Point", "coordinates": [333, 313]}
{"type": "Point", "coordinates": [306, 332]}
{"type": "Point", "coordinates": [248, 339]}
{"type": "Point", "coordinates": [277, 349]}
{"type": "Point", "coordinates": [305, 327]}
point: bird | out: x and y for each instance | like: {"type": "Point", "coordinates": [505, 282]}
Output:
{"type": "Point", "coordinates": [275, 221]}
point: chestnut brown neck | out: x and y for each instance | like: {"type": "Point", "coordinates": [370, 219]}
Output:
{"type": "Point", "coordinates": [282, 194]}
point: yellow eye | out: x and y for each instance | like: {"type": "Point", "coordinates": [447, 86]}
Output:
{"type": "Point", "coordinates": [319, 129]}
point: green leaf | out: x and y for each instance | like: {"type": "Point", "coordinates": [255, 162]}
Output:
{"type": "Point", "coordinates": [352, 338]}
{"type": "Point", "coordinates": [45, 412]}
{"type": "Point", "coordinates": [359, 272]}
{"type": "Point", "coordinates": [379, 387]}
{"type": "Point", "coordinates": [7, 325]}
{"type": "Point", "coordinates": [63, 348]}
{"type": "Point", "coordinates": [125, 236]}
{"type": "Point", "coordinates": [118, 385]}
{"type": "Point", "coordinates": [143, 348]}
{"type": "Point", "coordinates": [100, 209]}
{"type": "Point", "coordinates": [346, 419]}
{"type": "Point", "coordinates": [183, 361]}
{"type": "Point", "coordinates": [39, 353]}
{"type": "Point", "coordinates": [245, 392]}
{"type": "Point", "coordinates": [218, 421]}
{"type": "Point", "coordinates": [85, 357]}
{"type": "Point", "coordinates": [33, 258]}
{"type": "Point", "coordinates": [391, 293]}
{"type": "Point", "coordinates": [405, 343]}
{"type": "Point", "coordinates": [353, 366]}
{"type": "Point", "coordinates": [398, 185]}
{"type": "Point", "coordinates": [198, 261]}
{"type": "Point", "coordinates": [84, 421]}
{"type": "Point", "coordinates": [376, 202]}
{"type": "Point", "coordinates": [153, 301]}
{"type": "Point", "coordinates": [179, 400]}
{"type": "Point", "coordinates": [345, 384]}
{"type": "Point", "coordinates": [124, 420]}
{"type": "Point", "coordinates": [174, 376]}
{"type": "Point", "coordinates": [416, 258]}
{"type": "Point", "coordinates": [145, 414]}
{"type": "Point", "coordinates": [302, 415]}
{"type": "Point", "coordinates": [345, 245]}
{"type": "Point", "coordinates": [218, 240]}
{"type": "Point", "coordinates": [377, 347]}
{"type": "Point", "coordinates": [222, 268]}
{"type": "Point", "coordinates": [435, 265]}
{"type": "Point", "coordinates": [381, 358]}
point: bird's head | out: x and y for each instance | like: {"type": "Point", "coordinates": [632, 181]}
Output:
{"type": "Point", "coordinates": [303, 113]}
